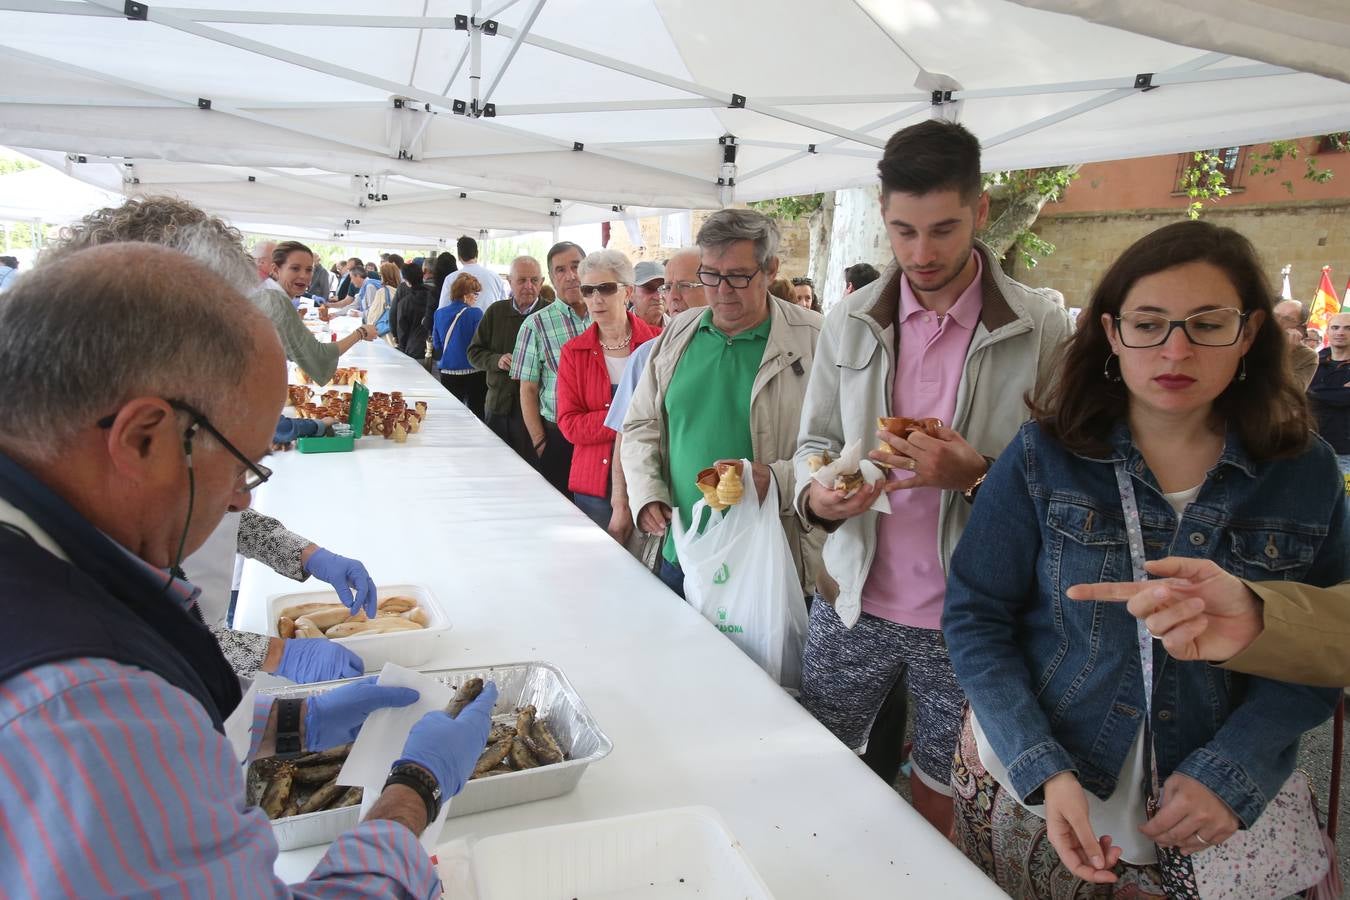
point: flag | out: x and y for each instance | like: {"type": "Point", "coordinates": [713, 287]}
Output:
{"type": "Point", "coordinates": [1324, 305]}
{"type": "Point", "coordinates": [1285, 293]}
{"type": "Point", "coordinates": [1346, 302]}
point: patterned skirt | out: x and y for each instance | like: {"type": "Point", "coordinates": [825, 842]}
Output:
{"type": "Point", "coordinates": [1010, 844]}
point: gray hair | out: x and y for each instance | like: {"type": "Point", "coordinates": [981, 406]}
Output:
{"type": "Point", "coordinates": [169, 222]}
{"type": "Point", "coordinates": [106, 324]}
{"type": "Point", "coordinates": [608, 261]}
{"type": "Point", "coordinates": [525, 258]}
{"type": "Point", "coordinates": [726, 226]}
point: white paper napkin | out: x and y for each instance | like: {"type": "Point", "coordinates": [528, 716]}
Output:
{"type": "Point", "coordinates": [381, 740]}
{"type": "Point", "coordinates": [851, 459]}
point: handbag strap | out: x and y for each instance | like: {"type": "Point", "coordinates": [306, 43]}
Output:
{"type": "Point", "coordinates": [1135, 535]}
{"type": "Point", "coordinates": [453, 323]}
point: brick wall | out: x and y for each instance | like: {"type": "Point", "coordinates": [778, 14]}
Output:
{"type": "Point", "coordinates": [1307, 235]}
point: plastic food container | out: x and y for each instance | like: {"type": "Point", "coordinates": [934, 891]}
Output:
{"type": "Point", "coordinates": [404, 648]}
{"type": "Point", "coordinates": [518, 684]}
{"type": "Point", "coordinates": [675, 853]}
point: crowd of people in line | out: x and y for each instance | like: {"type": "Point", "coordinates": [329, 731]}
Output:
{"type": "Point", "coordinates": [1069, 745]}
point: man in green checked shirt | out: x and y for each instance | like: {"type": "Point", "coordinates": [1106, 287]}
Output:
{"type": "Point", "coordinates": [535, 363]}
{"type": "Point", "coordinates": [724, 383]}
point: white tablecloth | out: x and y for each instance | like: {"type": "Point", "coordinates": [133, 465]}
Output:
{"type": "Point", "coordinates": [523, 575]}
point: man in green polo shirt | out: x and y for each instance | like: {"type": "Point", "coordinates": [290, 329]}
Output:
{"type": "Point", "coordinates": [724, 383]}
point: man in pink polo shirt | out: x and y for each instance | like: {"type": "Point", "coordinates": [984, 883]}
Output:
{"type": "Point", "coordinates": [942, 334]}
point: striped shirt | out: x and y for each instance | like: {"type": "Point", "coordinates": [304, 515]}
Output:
{"type": "Point", "coordinates": [539, 347]}
{"type": "Point", "coordinates": [114, 783]}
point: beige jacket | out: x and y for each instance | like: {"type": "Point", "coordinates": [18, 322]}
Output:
{"type": "Point", "coordinates": [1011, 353]}
{"type": "Point", "coordinates": [1306, 634]}
{"type": "Point", "coordinates": [775, 412]}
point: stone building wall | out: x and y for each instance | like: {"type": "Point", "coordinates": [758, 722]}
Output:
{"type": "Point", "coordinates": [1306, 235]}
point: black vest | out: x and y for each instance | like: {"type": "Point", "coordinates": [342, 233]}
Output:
{"type": "Point", "coordinates": [102, 604]}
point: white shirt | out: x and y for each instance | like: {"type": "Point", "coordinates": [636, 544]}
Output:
{"type": "Point", "coordinates": [494, 288]}
{"type": "Point", "coordinates": [1124, 811]}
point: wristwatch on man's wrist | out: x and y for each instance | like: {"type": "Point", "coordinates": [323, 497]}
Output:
{"type": "Point", "coordinates": [421, 782]}
{"type": "Point", "coordinates": [288, 727]}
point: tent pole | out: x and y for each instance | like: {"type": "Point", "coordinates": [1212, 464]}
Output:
{"type": "Point", "coordinates": [556, 213]}
{"type": "Point", "coordinates": [589, 106]}
{"type": "Point", "coordinates": [314, 64]}
{"type": "Point", "coordinates": [454, 73]}
{"type": "Point", "coordinates": [515, 46]}
{"type": "Point", "coordinates": [1192, 65]}
{"type": "Point", "coordinates": [499, 9]}
{"type": "Point", "coordinates": [475, 54]}
{"type": "Point", "coordinates": [830, 144]}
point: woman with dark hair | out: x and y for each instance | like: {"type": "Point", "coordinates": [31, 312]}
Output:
{"type": "Point", "coordinates": [413, 310]}
{"type": "Point", "coordinates": [444, 267]}
{"type": "Point", "coordinates": [292, 269]}
{"type": "Point", "coordinates": [1174, 429]}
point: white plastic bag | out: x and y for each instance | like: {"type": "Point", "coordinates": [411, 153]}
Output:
{"type": "Point", "coordinates": [739, 574]}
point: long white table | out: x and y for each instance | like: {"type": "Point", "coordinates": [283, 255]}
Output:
{"type": "Point", "coordinates": [523, 575]}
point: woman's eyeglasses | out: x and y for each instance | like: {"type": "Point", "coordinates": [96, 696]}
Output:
{"type": "Point", "coordinates": [606, 288]}
{"type": "Point", "coordinates": [1211, 328]}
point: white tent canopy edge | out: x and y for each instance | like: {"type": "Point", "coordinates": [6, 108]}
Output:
{"type": "Point", "coordinates": [694, 125]}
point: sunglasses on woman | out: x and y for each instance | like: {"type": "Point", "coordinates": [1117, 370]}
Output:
{"type": "Point", "coordinates": [606, 288]}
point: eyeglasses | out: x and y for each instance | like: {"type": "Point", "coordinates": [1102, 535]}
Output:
{"type": "Point", "coordinates": [681, 285]}
{"type": "Point", "coordinates": [255, 474]}
{"type": "Point", "coordinates": [1211, 328]}
{"type": "Point", "coordinates": [606, 288]}
{"type": "Point", "coordinates": [735, 279]}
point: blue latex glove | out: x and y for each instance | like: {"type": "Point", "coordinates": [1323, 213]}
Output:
{"type": "Point", "coordinates": [448, 748]}
{"type": "Point", "coordinates": [345, 575]}
{"type": "Point", "coordinates": [307, 660]}
{"type": "Point", "coordinates": [334, 717]}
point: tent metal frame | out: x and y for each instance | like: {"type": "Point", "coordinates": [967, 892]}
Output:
{"type": "Point", "coordinates": [837, 139]}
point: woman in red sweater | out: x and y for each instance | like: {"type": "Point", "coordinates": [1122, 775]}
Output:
{"type": "Point", "coordinates": [588, 370]}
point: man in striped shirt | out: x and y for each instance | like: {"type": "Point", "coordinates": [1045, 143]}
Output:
{"type": "Point", "coordinates": [118, 455]}
{"type": "Point", "coordinates": [535, 363]}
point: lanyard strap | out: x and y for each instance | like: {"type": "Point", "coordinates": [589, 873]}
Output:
{"type": "Point", "coordinates": [1135, 534]}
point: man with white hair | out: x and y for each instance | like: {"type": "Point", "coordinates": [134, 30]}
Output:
{"type": "Point", "coordinates": [1330, 389]}
{"type": "Point", "coordinates": [1293, 318]}
{"type": "Point", "coordinates": [179, 225]}
{"type": "Point", "coordinates": [649, 302]}
{"type": "Point", "coordinates": [491, 348]}
{"type": "Point", "coordinates": [118, 457]}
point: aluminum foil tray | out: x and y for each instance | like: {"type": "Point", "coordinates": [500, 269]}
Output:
{"type": "Point", "coordinates": [518, 684]}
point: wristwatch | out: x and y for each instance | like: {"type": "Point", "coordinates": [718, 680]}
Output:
{"type": "Point", "coordinates": [421, 782]}
{"type": "Point", "coordinates": [969, 493]}
{"type": "Point", "coordinates": [288, 727]}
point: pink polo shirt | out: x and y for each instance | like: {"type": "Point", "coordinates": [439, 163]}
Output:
{"type": "Point", "coordinates": [906, 583]}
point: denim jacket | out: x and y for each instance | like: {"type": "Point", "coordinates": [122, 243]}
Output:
{"type": "Point", "coordinates": [1056, 683]}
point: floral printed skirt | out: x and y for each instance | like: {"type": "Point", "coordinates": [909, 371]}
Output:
{"type": "Point", "coordinates": [1011, 845]}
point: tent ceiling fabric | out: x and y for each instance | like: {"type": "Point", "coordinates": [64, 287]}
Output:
{"type": "Point", "coordinates": [1310, 35]}
{"type": "Point", "coordinates": [313, 107]}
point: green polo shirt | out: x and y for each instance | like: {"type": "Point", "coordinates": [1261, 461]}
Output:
{"type": "Point", "coordinates": [708, 408]}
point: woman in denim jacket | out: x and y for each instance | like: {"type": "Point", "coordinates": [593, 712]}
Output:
{"type": "Point", "coordinates": [1177, 373]}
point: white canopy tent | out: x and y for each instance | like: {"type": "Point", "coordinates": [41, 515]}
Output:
{"type": "Point", "coordinates": [520, 114]}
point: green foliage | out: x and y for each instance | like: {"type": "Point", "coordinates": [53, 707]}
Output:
{"type": "Point", "coordinates": [500, 251]}
{"type": "Point", "coordinates": [19, 236]}
{"type": "Point", "coordinates": [11, 164]}
{"type": "Point", "coordinates": [1032, 248]}
{"type": "Point", "coordinates": [789, 209]}
{"type": "Point", "coordinates": [1204, 180]}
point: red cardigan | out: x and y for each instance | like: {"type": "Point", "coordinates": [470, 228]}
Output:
{"type": "Point", "coordinates": [584, 394]}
